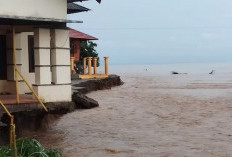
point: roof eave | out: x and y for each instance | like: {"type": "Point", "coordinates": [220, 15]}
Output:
{"type": "Point", "coordinates": [24, 20]}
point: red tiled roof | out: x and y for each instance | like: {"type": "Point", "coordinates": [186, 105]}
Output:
{"type": "Point", "coordinates": [79, 35]}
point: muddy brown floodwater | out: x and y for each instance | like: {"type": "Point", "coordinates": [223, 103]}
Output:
{"type": "Point", "coordinates": [150, 116]}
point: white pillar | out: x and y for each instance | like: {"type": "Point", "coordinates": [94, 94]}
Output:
{"type": "Point", "coordinates": [89, 59]}
{"type": "Point", "coordinates": [60, 62]}
{"type": "Point", "coordinates": [53, 76]}
{"type": "Point", "coordinates": [60, 57]}
{"type": "Point", "coordinates": [42, 56]}
{"type": "Point", "coordinates": [43, 85]}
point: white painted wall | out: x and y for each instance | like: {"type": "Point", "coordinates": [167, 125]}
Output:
{"type": "Point", "coordinates": [61, 74]}
{"type": "Point", "coordinates": [54, 93]}
{"type": "Point", "coordinates": [22, 56]}
{"type": "Point", "coordinates": [6, 86]}
{"type": "Point", "coordinates": [25, 58]}
{"type": "Point", "coordinates": [34, 8]}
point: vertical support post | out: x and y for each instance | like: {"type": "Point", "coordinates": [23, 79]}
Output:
{"type": "Point", "coordinates": [12, 129]}
{"type": "Point", "coordinates": [11, 132]}
{"type": "Point", "coordinates": [60, 63]}
{"type": "Point", "coordinates": [84, 66]}
{"type": "Point", "coordinates": [106, 65]}
{"type": "Point", "coordinates": [72, 60]}
{"type": "Point", "coordinates": [95, 65]}
{"type": "Point", "coordinates": [42, 49]}
{"type": "Point", "coordinates": [13, 136]}
{"type": "Point", "coordinates": [89, 65]}
{"type": "Point", "coordinates": [15, 66]}
{"type": "Point", "coordinates": [42, 57]}
{"type": "Point", "coordinates": [14, 147]}
{"type": "Point", "coordinates": [60, 56]}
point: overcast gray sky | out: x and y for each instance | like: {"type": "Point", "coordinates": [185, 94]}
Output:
{"type": "Point", "coordinates": [160, 31]}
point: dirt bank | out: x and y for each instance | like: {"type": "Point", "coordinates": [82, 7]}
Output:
{"type": "Point", "coordinates": [30, 117]}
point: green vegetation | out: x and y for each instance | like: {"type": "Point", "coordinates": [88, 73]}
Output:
{"type": "Point", "coordinates": [6, 151]}
{"type": "Point", "coordinates": [88, 49]}
{"type": "Point", "coordinates": [29, 148]}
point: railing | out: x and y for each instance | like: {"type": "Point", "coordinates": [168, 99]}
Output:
{"type": "Point", "coordinates": [12, 129]}
{"type": "Point", "coordinates": [72, 65]}
{"type": "Point", "coordinates": [31, 89]}
{"type": "Point", "coordinates": [16, 73]}
{"type": "Point", "coordinates": [94, 74]}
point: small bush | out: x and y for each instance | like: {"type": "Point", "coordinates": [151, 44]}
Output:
{"type": "Point", "coordinates": [6, 151]}
{"type": "Point", "coordinates": [29, 148]}
{"type": "Point", "coordinates": [54, 153]}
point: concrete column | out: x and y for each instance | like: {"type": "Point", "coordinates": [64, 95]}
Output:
{"type": "Point", "coordinates": [42, 63]}
{"type": "Point", "coordinates": [106, 65]}
{"type": "Point", "coordinates": [72, 62]}
{"type": "Point", "coordinates": [95, 65]}
{"type": "Point", "coordinates": [10, 64]}
{"type": "Point", "coordinates": [84, 66]}
{"type": "Point", "coordinates": [42, 56]}
{"type": "Point", "coordinates": [52, 65]}
{"type": "Point", "coordinates": [60, 62]}
{"type": "Point", "coordinates": [89, 65]}
{"type": "Point", "coordinates": [60, 56]}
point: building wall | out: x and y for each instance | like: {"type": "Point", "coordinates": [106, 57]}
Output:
{"type": "Point", "coordinates": [77, 50]}
{"type": "Point", "coordinates": [59, 88]}
{"type": "Point", "coordinates": [30, 77]}
{"type": "Point", "coordinates": [76, 47]}
{"type": "Point", "coordinates": [6, 86]}
{"type": "Point", "coordinates": [34, 8]}
{"type": "Point", "coordinates": [60, 57]}
{"type": "Point", "coordinates": [59, 85]}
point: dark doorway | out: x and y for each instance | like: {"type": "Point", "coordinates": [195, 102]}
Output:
{"type": "Point", "coordinates": [3, 67]}
{"type": "Point", "coordinates": [31, 53]}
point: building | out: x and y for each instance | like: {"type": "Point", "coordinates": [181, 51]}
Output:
{"type": "Point", "coordinates": [76, 37]}
{"type": "Point", "coordinates": [34, 42]}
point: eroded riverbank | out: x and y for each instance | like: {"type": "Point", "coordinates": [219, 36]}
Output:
{"type": "Point", "coordinates": [32, 118]}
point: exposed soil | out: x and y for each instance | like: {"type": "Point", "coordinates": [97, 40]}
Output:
{"type": "Point", "coordinates": [31, 118]}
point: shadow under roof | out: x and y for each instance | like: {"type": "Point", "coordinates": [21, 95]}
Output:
{"type": "Point", "coordinates": [69, 1]}
{"type": "Point", "coordinates": [75, 8]}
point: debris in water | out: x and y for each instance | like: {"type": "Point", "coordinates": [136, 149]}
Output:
{"type": "Point", "coordinates": [212, 72]}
